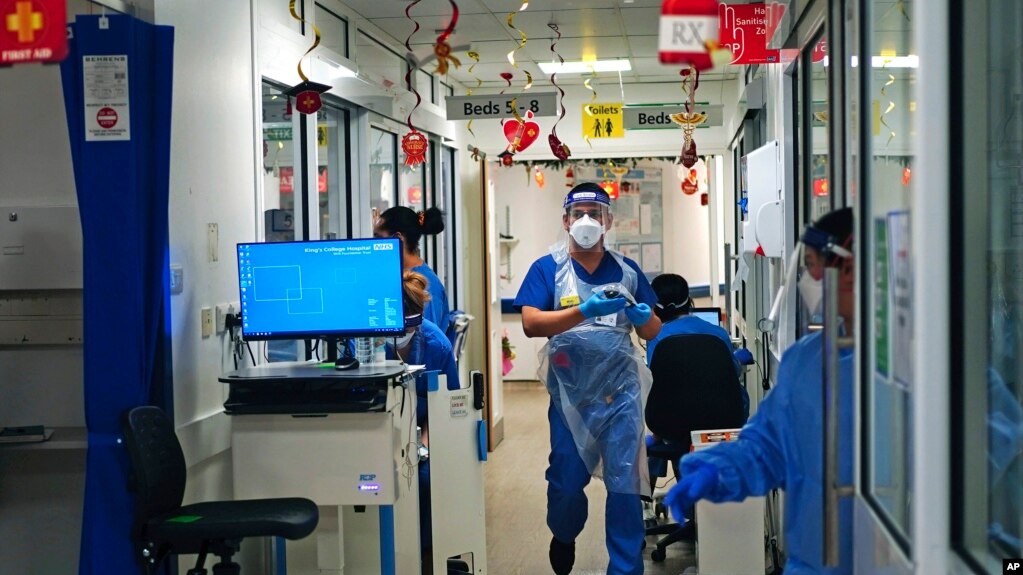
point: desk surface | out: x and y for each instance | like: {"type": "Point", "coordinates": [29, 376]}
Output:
{"type": "Point", "coordinates": [315, 371]}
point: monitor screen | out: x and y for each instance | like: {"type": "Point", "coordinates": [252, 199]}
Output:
{"type": "Point", "coordinates": [342, 288]}
{"type": "Point", "coordinates": [707, 314]}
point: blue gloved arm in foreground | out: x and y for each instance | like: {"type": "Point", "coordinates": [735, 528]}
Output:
{"type": "Point", "coordinates": [693, 486]}
{"type": "Point", "coordinates": [638, 314]}
{"type": "Point", "coordinates": [599, 305]}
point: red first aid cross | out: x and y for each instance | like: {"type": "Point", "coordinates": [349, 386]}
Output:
{"type": "Point", "coordinates": [32, 31]}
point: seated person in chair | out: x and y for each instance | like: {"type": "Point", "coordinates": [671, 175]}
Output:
{"type": "Point", "coordinates": [673, 306]}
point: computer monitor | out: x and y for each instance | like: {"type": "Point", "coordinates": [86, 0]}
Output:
{"type": "Point", "coordinates": [708, 314]}
{"type": "Point", "coordinates": [321, 289]}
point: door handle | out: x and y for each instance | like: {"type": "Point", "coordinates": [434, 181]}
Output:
{"type": "Point", "coordinates": [832, 343]}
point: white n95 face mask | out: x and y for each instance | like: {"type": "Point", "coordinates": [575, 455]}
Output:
{"type": "Point", "coordinates": [404, 340]}
{"type": "Point", "coordinates": [812, 293]}
{"type": "Point", "coordinates": [586, 232]}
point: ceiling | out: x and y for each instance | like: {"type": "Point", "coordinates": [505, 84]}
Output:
{"type": "Point", "coordinates": [590, 29]}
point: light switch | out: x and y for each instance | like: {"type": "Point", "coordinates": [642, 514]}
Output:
{"type": "Point", "coordinates": [206, 320]}
{"type": "Point", "coordinates": [212, 241]}
{"type": "Point", "coordinates": [177, 279]}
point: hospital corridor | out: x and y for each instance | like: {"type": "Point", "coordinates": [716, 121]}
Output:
{"type": "Point", "coordinates": [511, 287]}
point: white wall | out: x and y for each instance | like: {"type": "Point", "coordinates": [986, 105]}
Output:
{"type": "Point", "coordinates": [211, 181]}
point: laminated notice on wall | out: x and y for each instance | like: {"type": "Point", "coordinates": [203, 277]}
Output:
{"type": "Point", "coordinates": [107, 108]}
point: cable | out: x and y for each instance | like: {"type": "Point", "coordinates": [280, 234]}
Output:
{"type": "Point", "coordinates": [251, 355]}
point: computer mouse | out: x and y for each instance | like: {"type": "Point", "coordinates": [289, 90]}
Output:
{"type": "Point", "coordinates": [344, 363]}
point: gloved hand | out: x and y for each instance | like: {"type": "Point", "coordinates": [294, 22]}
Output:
{"type": "Point", "coordinates": [743, 356]}
{"type": "Point", "coordinates": [638, 314]}
{"type": "Point", "coordinates": [693, 486]}
{"type": "Point", "coordinates": [599, 305]}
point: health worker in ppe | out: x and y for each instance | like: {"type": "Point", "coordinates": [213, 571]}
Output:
{"type": "Point", "coordinates": [781, 445]}
{"type": "Point", "coordinates": [410, 226]}
{"type": "Point", "coordinates": [423, 344]}
{"type": "Point", "coordinates": [673, 307]}
{"type": "Point", "coordinates": [587, 300]}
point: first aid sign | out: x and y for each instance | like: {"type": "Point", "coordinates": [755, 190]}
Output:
{"type": "Point", "coordinates": [32, 31]}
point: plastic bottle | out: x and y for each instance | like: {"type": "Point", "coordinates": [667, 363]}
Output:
{"type": "Point", "coordinates": [364, 350]}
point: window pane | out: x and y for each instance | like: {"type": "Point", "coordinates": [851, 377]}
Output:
{"type": "Point", "coordinates": [333, 30]}
{"type": "Point", "coordinates": [278, 193]}
{"type": "Point", "coordinates": [890, 280]}
{"type": "Point", "coordinates": [378, 63]}
{"type": "Point", "coordinates": [994, 523]}
{"type": "Point", "coordinates": [332, 186]}
{"type": "Point", "coordinates": [383, 167]}
{"type": "Point", "coordinates": [424, 83]}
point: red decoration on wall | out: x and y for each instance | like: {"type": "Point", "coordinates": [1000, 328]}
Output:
{"type": "Point", "coordinates": [820, 187]}
{"type": "Point", "coordinates": [704, 199]}
{"type": "Point", "coordinates": [611, 188]}
{"type": "Point", "coordinates": [690, 185]}
{"type": "Point", "coordinates": [569, 178]}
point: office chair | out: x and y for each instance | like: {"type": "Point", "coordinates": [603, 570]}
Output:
{"type": "Point", "coordinates": [163, 526]}
{"type": "Point", "coordinates": [695, 387]}
{"type": "Point", "coordinates": [458, 330]}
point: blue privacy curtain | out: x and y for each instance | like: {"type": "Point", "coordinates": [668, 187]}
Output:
{"type": "Point", "coordinates": [122, 180]}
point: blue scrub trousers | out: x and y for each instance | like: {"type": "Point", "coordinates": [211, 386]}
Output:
{"type": "Point", "coordinates": [566, 504]}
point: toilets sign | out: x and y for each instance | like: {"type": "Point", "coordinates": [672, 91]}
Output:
{"type": "Point", "coordinates": [603, 120]}
{"type": "Point", "coordinates": [32, 31]}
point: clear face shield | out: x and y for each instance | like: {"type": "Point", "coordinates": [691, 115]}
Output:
{"type": "Point", "coordinates": [816, 250]}
{"type": "Point", "coordinates": [586, 224]}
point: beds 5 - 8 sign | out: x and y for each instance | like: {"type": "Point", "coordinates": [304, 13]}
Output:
{"type": "Point", "coordinates": [32, 31]}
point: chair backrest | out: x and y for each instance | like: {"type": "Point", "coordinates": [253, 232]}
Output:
{"type": "Point", "coordinates": [157, 463]}
{"type": "Point", "coordinates": [458, 330]}
{"type": "Point", "coordinates": [695, 387]}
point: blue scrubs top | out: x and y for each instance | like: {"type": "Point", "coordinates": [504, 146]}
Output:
{"type": "Point", "coordinates": [437, 308]}
{"type": "Point", "coordinates": [690, 324]}
{"type": "Point", "coordinates": [781, 447]}
{"type": "Point", "coordinates": [429, 347]}
{"type": "Point", "coordinates": [538, 286]}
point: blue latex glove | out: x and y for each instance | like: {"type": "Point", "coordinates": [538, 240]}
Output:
{"type": "Point", "coordinates": [691, 488]}
{"type": "Point", "coordinates": [599, 305]}
{"type": "Point", "coordinates": [743, 356]}
{"type": "Point", "coordinates": [638, 314]}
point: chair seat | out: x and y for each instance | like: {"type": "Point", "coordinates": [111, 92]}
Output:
{"type": "Point", "coordinates": [291, 518]}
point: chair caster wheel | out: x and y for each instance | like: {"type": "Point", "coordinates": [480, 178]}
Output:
{"type": "Point", "coordinates": [661, 511]}
{"type": "Point", "coordinates": [658, 555]}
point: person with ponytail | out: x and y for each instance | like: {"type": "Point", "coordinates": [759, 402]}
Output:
{"type": "Point", "coordinates": [410, 226]}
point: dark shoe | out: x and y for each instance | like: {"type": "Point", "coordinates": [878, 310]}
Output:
{"type": "Point", "coordinates": [562, 556]}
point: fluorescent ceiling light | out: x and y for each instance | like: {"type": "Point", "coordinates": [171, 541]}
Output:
{"type": "Point", "coordinates": [911, 61]}
{"type": "Point", "coordinates": [585, 67]}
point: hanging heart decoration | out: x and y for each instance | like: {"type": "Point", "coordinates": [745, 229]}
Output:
{"type": "Point", "coordinates": [521, 133]}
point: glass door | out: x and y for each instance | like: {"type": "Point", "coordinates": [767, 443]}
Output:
{"type": "Point", "coordinates": [885, 73]}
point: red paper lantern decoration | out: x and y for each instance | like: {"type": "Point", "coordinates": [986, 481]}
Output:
{"type": "Point", "coordinates": [611, 188]}
{"type": "Point", "coordinates": [569, 178]}
{"type": "Point", "coordinates": [688, 32]}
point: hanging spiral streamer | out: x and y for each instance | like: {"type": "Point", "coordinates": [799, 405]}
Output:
{"type": "Point", "coordinates": [475, 56]}
{"type": "Point", "coordinates": [558, 148]}
{"type": "Point", "coordinates": [316, 38]}
{"type": "Point", "coordinates": [522, 43]}
{"type": "Point", "coordinates": [888, 109]}
{"type": "Point", "coordinates": [593, 98]}
{"type": "Point", "coordinates": [442, 49]}
{"type": "Point", "coordinates": [408, 73]}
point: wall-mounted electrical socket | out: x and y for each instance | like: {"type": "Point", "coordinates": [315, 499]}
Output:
{"type": "Point", "coordinates": [206, 321]}
{"type": "Point", "coordinates": [222, 310]}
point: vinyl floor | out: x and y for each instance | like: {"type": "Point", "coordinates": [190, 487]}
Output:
{"type": "Point", "coordinates": [517, 534]}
